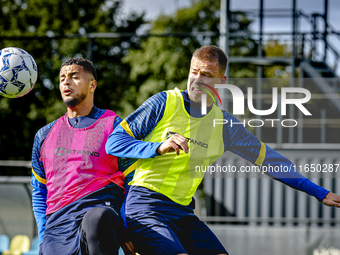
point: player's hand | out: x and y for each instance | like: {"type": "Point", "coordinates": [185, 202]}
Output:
{"type": "Point", "coordinates": [332, 199]}
{"type": "Point", "coordinates": [128, 248]}
{"type": "Point", "coordinates": [174, 143]}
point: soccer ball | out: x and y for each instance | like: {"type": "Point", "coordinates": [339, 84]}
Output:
{"type": "Point", "coordinates": [18, 72]}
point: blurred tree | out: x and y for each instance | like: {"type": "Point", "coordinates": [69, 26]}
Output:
{"type": "Point", "coordinates": [39, 26]}
{"type": "Point", "coordinates": [163, 62]}
{"type": "Point", "coordinates": [273, 48]}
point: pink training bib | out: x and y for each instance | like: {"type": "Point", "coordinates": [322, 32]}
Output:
{"type": "Point", "coordinates": [75, 161]}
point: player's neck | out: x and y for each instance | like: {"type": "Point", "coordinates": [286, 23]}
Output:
{"type": "Point", "coordinates": [79, 110]}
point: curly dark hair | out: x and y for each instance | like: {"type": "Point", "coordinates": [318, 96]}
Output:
{"type": "Point", "coordinates": [86, 64]}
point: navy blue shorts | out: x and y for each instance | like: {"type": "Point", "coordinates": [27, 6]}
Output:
{"type": "Point", "coordinates": [63, 234]}
{"type": "Point", "coordinates": [165, 229]}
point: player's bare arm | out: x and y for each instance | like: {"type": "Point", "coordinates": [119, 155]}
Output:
{"type": "Point", "coordinates": [174, 143]}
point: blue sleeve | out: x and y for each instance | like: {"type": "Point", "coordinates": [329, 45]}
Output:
{"type": "Point", "coordinates": [289, 175]}
{"type": "Point", "coordinates": [39, 196]}
{"type": "Point", "coordinates": [38, 182]}
{"type": "Point", "coordinates": [240, 141]}
{"type": "Point", "coordinates": [125, 140]}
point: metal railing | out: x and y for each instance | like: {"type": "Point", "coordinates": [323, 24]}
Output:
{"type": "Point", "coordinates": [246, 198]}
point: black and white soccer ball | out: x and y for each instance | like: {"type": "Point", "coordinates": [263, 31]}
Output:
{"type": "Point", "coordinates": [18, 72]}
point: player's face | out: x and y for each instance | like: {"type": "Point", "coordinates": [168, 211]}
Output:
{"type": "Point", "coordinates": [202, 75]}
{"type": "Point", "coordinates": [75, 84]}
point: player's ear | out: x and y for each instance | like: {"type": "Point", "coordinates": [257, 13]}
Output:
{"type": "Point", "coordinates": [223, 79]}
{"type": "Point", "coordinates": [93, 85]}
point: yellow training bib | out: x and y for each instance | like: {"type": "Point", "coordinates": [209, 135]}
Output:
{"type": "Point", "coordinates": [172, 175]}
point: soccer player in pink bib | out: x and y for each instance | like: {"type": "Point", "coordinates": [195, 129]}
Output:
{"type": "Point", "coordinates": [77, 187]}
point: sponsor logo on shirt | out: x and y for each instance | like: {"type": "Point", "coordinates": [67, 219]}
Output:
{"type": "Point", "coordinates": [64, 151]}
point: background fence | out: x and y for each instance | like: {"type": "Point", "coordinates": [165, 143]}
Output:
{"type": "Point", "coordinates": [247, 199]}
{"type": "Point", "coordinates": [247, 213]}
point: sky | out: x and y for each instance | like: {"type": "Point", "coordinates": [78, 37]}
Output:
{"type": "Point", "coordinates": [153, 8]}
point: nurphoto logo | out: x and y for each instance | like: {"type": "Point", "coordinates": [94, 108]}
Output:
{"type": "Point", "coordinates": [239, 105]}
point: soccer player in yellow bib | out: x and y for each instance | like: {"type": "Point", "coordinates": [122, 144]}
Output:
{"type": "Point", "coordinates": [169, 136]}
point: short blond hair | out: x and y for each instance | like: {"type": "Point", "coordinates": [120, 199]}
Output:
{"type": "Point", "coordinates": [213, 54]}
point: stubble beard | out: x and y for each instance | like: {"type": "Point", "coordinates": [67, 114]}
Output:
{"type": "Point", "coordinates": [72, 102]}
